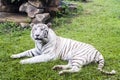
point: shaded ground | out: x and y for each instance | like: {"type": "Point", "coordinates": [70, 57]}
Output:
{"type": "Point", "coordinates": [13, 17]}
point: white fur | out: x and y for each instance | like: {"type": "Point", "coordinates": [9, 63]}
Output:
{"type": "Point", "coordinates": [53, 47]}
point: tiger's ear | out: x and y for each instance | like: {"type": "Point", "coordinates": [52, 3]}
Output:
{"type": "Point", "coordinates": [31, 25]}
{"type": "Point", "coordinates": [49, 24]}
{"type": "Point", "coordinates": [46, 33]}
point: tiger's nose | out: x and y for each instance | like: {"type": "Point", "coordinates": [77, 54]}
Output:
{"type": "Point", "coordinates": [37, 35]}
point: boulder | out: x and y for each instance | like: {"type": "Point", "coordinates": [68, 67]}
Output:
{"type": "Point", "coordinates": [41, 18]}
{"type": "Point", "coordinates": [30, 9]}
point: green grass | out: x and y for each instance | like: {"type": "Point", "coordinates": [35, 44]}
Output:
{"type": "Point", "coordinates": [98, 24]}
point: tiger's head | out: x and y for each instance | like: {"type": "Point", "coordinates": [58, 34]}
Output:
{"type": "Point", "coordinates": [40, 32]}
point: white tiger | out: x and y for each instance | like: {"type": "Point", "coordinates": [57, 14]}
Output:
{"type": "Point", "coordinates": [48, 47]}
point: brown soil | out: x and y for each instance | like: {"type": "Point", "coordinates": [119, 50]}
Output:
{"type": "Point", "coordinates": [14, 17]}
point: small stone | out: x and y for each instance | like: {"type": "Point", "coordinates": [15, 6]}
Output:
{"type": "Point", "coordinates": [24, 25]}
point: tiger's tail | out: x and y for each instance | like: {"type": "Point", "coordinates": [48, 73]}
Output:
{"type": "Point", "coordinates": [107, 72]}
{"type": "Point", "coordinates": [101, 65]}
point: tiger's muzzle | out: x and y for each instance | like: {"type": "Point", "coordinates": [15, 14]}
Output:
{"type": "Point", "coordinates": [37, 37]}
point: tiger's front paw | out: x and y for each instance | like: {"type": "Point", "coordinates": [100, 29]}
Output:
{"type": "Point", "coordinates": [22, 62]}
{"type": "Point", "coordinates": [61, 73]}
{"type": "Point", "coordinates": [14, 56]}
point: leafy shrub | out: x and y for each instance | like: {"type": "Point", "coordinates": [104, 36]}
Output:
{"type": "Point", "coordinates": [9, 27]}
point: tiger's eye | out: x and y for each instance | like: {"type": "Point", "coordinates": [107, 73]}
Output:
{"type": "Point", "coordinates": [35, 28]}
{"type": "Point", "coordinates": [42, 29]}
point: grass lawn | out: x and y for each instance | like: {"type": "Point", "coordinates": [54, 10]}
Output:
{"type": "Point", "coordinates": [98, 24]}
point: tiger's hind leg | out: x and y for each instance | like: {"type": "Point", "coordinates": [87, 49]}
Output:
{"type": "Point", "coordinates": [74, 69]}
{"type": "Point", "coordinates": [61, 67]}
